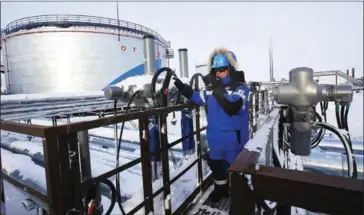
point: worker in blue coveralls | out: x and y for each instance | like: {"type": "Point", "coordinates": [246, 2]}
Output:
{"type": "Point", "coordinates": [227, 115]}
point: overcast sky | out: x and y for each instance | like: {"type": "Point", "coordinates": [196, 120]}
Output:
{"type": "Point", "coordinates": [324, 36]}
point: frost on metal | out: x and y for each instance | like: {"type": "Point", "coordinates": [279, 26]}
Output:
{"type": "Point", "coordinates": [261, 137]}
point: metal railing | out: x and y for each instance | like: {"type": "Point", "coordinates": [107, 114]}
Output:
{"type": "Point", "coordinates": [80, 20]}
{"type": "Point", "coordinates": [63, 168]}
{"type": "Point", "coordinates": [60, 144]}
{"type": "Point", "coordinates": [254, 183]}
{"type": "Point", "coordinates": [258, 105]}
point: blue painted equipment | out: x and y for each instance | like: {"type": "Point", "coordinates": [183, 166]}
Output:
{"type": "Point", "coordinates": [188, 145]}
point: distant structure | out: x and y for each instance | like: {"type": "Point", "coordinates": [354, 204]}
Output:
{"type": "Point", "coordinates": [74, 53]}
{"type": "Point", "coordinates": [2, 77]}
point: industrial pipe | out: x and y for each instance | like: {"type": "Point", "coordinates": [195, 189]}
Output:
{"type": "Point", "coordinates": [149, 55]}
{"type": "Point", "coordinates": [183, 63]}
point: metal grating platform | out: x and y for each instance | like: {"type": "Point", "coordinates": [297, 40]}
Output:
{"type": "Point", "coordinates": [204, 206]}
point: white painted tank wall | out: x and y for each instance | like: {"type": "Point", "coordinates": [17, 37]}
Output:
{"type": "Point", "coordinates": [52, 59]}
{"type": "Point", "coordinates": [2, 76]}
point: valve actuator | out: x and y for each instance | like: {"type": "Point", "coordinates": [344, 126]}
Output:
{"type": "Point", "coordinates": [301, 93]}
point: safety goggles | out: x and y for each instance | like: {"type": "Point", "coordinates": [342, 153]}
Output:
{"type": "Point", "coordinates": [221, 69]}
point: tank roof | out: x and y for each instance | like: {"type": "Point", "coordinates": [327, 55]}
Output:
{"type": "Point", "coordinates": [66, 21]}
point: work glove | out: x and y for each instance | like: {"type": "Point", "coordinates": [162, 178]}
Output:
{"type": "Point", "coordinates": [207, 79]}
{"type": "Point", "coordinates": [184, 89]}
{"type": "Point", "coordinates": [218, 89]}
{"type": "Point", "coordinates": [179, 84]}
{"type": "Point", "coordinates": [217, 84]}
{"type": "Point", "coordinates": [239, 76]}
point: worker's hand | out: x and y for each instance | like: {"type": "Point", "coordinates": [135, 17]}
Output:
{"type": "Point", "coordinates": [207, 79]}
{"type": "Point", "coordinates": [239, 76]}
{"type": "Point", "coordinates": [217, 84]}
{"type": "Point", "coordinates": [184, 89]}
{"type": "Point", "coordinates": [178, 83]}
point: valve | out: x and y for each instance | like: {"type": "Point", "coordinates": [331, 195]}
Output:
{"type": "Point", "coordinates": [301, 93]}
{"type": "Point", "coordinates": [141, 95]}
{"type": "Point", "coordinates": [146, 94]}
{"type": "Point", "coordinates": [163, 96]}
{"type": "Point", "coordinates": [254, 87]}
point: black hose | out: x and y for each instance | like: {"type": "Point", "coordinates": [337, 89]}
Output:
{"type": "Point", "coordinates": [337, 109]}
{"type": "Point", "coordinates": [317, 139]}
{"type": "Point", "coordinates": [324, 106]}
{"type": "Point", "coordinates": [117, 178]}
{"type": "Point", "coordinates": [335, 131]}
{"type": "Point", "coordinates": [342, 116]}
{"type": "Point", "coordinates": [346, 127]}
{"type": "Point", "coordinates": [113, 195]}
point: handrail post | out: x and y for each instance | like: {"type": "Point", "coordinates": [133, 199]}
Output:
{"type": "Point", "coordinates": [256, 105]}
{"type": "Point", "coordinates": [165, 163]}
{"type": "Point", "coordinates": [198, 142]}
{"type": "Point", "coordinates": [2, 193]}
{"type": "Point", "coordinates": [251, 115]}
{"type": "Point", "coordinates": [53, 176]}
{"type": "Point", "coordinates": [85, 163]}
{"type": "Point", "coordinates": [266, 101]}
{"type": "Point", "coordinates": [75, 172]}
{"type": "Point", "coordinates": [145, 163]}
{"type": "Point", "coordinates": [242, 197]}
{"type": "Point", "coordinates": [264, 104]}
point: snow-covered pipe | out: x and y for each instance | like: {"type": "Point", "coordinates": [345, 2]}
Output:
{"type": "Point", "coordinates": [22, 169]}
{"type": "Point", "coordinates": [331, 163]}
{"type": "Point", "coordinates": [183, 63]}
{"type": "Point", "coordinates": [13, 165]}
{"type": "Point", "coordinates": [335, 145]}
{"type": "Point", "coordinates": [149, 55]}
{"type": "Point", "coordinates": [29, 204]}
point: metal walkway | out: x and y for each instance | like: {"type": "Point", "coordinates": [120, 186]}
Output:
{"type": "Point", "coordinates": [205, 207]}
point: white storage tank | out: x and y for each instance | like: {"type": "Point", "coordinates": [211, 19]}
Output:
{"type": "Point", "coordinates": [74, 53]}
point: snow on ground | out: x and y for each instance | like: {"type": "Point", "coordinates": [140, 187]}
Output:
{"type": "Point", "coordinates": [22, 168]}
{"type": "Point", "coordinates": [103, 160]}
{"type": "Point", "coordinates": [180, 190]}
{"type": "Point", "coordinates": [34, 176]}
{"type": "Point", "coordinates": [13, 200]}
{"type": "Point", "coordinates": [331, 160]}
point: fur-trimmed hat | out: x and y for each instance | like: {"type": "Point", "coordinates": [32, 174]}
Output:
{"type": "Point", "coordinates": [226, 53]}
